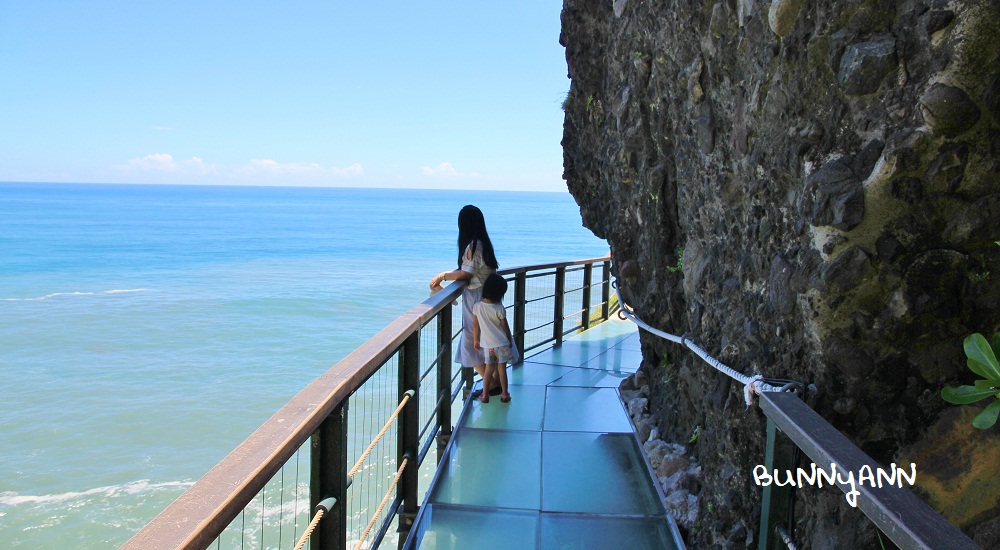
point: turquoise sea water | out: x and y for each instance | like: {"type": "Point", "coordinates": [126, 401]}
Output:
{"type": "Point", "coordinates": [145, 331]}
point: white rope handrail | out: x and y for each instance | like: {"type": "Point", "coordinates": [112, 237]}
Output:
{"type": "Point", "coordinates": [752, 385]}
{"type": "Point", "coordinates": [385, 499]}
{"type": "Point", "coordinates": [321, 509]}
{"type": "Point", "coordinates": [378, 437]}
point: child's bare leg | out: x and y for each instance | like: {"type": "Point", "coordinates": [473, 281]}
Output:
{"type": "Point", "coordinates": [502, 374]}
{"type": "Point", "coordinates": [487, 377]}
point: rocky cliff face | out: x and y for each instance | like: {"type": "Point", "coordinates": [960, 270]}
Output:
{"type": "Point", "coordinates": [813, 190]}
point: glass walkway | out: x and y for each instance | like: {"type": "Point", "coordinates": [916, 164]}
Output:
{"type": "Point", "coordinates": [559, 467]}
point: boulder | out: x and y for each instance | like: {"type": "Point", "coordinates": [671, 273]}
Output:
{"type": "Point", "coordinates": [864, 66]}
{"type": "Point", "coordinates": [948, 110]}
{"type": "Point", "coordinates": [847, 270]}
{"type": "Point", "coordinates": [834, 196]}
{"type": "Point", "coordinates": [782, 15]}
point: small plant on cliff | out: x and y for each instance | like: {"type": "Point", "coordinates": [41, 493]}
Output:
{"type": "Point", "coordinates": [984, 274]}
{"type": "Point", "coordinates": [679, 252]}
{"type": "Point", "coordinates": [694, 435]}
{"type": "Point", "coordinates": [982, 361]}
{"type": "Point", "coordinates": [668, 375]}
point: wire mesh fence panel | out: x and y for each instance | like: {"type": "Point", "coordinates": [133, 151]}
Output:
{"type": "Point", "coordinates": [538, 309]}
{"type": "Point", "coordinates": [572, 311]}
{"type": "Point", "coordinates": [278, 515]}
{"type": "Point", "coordinates": [369, 409]}
{"type": "Point", "coordinates": [430, 354]}
{"type": "Point", "coordinates": [431, 362]}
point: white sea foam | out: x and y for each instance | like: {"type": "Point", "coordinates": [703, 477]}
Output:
{"type": "Point", "coordinates": [9, 498]}
{"type": "Point", "coordinates": [47, 296]}
{"type": "Point", "coordinates": [58, 294]}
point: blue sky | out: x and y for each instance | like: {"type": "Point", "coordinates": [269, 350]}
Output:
{"type": "Point", "coordinates": [443, 94]}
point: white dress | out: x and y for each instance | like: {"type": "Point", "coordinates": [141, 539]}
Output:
{"type": "Point", "coordinates": [467, 354]}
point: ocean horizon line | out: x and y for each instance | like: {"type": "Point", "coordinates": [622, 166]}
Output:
{"type": "Point", "coordinates": [272, 186]}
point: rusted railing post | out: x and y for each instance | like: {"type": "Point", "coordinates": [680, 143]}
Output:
{"type": "Point", "coordinates": [520, 305]}
{"type": "Point", "coordinates": [560, 301]}
{"type": "Point", "coordinates": [606, 290]}
{"type": "Point", "coordinates": [780, 456]}
{"type": "Point", "coordinates": [443, 381]}
{"type": "Point", "coordinates": [408, 438]}
{"type": "Point", "coordinates": [329, 479]}
{"type": "Point", "coordinates": [587, 277]}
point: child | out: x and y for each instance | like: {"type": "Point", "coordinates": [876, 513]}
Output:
{"type": "Point", "coordinates": [491, 334]}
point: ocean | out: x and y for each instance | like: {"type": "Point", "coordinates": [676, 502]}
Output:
{"type": "Point", "coordinates": [146, 330]}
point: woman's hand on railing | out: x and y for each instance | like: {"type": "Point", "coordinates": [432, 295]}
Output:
{"type": "Point", "coordinates": [453, 275]}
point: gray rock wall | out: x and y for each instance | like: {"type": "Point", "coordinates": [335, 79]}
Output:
{"type": "Point", "coordinates": [813, 189]}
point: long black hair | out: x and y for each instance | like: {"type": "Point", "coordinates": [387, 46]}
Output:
{"type": "Point", "coordinates": [494, 287]}
{"type": "Point", "coordinates": [472, 229]}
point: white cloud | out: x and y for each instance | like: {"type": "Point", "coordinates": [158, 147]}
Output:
{"type": "Point", "coordinates": [159, 167]}
{"type": "Point", "coordinates": [163, 165]}
{"type": "Point", "coordinates": [351, 171]}
{"type": "Point", "coordinates": [159, 128]}
{"type": "Point", "coordinates": [443, 169]}
{"type": "Point", "coordinates": [446, 170]}
{"type": "Point", "coordinates": [271, 166]}
{"type": "Point", "coordinates": [164, 162]}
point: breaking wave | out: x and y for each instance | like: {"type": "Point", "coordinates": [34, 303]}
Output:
{"type": "Point", "coordinates": [59, 294]}
{"type": "Point", "coordinates": [9, 498]}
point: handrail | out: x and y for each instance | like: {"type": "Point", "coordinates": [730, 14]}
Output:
{"type": "Point", "coordinates": [204, 511]}
{"type": "Point", "coordinates": [897, 512]}
{"type": "Point", "coordinates": [908, 521]}
{"type": "Point", "coordinates": [539, 267]}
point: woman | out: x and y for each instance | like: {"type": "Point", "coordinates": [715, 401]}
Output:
{"type": "Point", "coordinates": [476, 261]}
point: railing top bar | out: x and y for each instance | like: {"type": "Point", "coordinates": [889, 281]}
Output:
{"type": "Point", "coordinates": [906, 519]}
{"type": "Point", "coordinates": [226, 488]}
{"type": "Point", "coordinates": [524, 269]}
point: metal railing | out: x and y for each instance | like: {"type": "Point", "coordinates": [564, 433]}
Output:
{"type": "Point", "coordinates": [793, 427]}
{"type": "Point", "coordinates": [400, 384]}
{"type": "Point", "coordinates": [908, 521]}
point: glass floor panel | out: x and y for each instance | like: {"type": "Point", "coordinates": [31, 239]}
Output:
{"type": "Point", "coordinates": [457, 528]}
{"type": "Point", "coordinates": [557, 468]}
{"type": "Point", "coordinates": [569, 483]}
{"type": "Point", "coordinates": [481, 470]}
{"type": "Point", "coordinates": [631, 342]}
{"type": "Point", "coordinates": [585, 532]}
{"type": "Point", "coordinates": [609, 332]}
{"type": "Point", "coordinates": [570, 354]}
{"type": "Point", "coordinates": [591, 378]}
{"type": "Point", "coordinates": [571, 409]}
{"type": "Point", "coordinates": [617, 360]}
{"type": "Point", "coordinates": [524, 412]}
{"type": "Point", "coordinates": [535, 374]}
